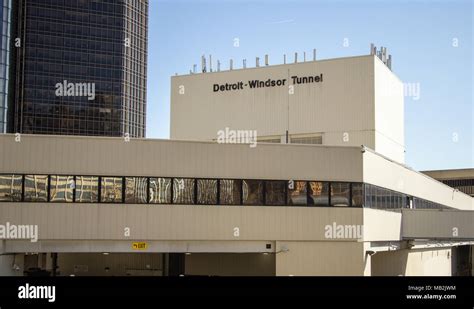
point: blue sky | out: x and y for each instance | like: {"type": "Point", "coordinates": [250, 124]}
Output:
{"type": "Point", "coordinates": [439, 126]}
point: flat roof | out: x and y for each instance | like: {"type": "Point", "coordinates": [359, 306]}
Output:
{"type": "Point", "coordinates": [462, 173]}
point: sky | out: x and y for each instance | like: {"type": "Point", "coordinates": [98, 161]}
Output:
{"type": "Point", "coordinates": [431, 43]}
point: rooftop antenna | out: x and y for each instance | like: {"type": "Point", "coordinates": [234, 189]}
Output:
{"type": "Point", "coordinates": [266, 60]}
{"type": "Point", "coordinates": [244, 63]}
{"type": "Point", "coordinates": [218, 66]}
{"type": "Point", "coordinates": [257, 62]}
{"type": "Point", "coordinates": [314, 54]}
{"type": "Point", "coordinates": [203, 64]}
{"type": "Point", "coordinates": [372, 49]}
{"type": "Point", "coordinates": [296, 57]}
{"type": "Point", "coordinates": [284, 58]}
{"type": "Point", "coordinates": [194, 68]}
{"type": "Point", "coordinates": [210, 63]}
{"type": "Point", "coordinates": [389, 62]}
{"type": "Point", "coordinates": [231, 64]}
{"type": "Point", "coordinates": [304, 56]}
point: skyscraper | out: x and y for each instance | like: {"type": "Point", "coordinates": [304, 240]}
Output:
{"type": "Point", "coordinates": [5, 30]}
{"type": "Point", "coordinates": [80, 67]}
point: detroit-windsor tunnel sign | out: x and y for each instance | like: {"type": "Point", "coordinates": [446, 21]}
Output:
{"type": "Point", "coordinates": [256, 83]}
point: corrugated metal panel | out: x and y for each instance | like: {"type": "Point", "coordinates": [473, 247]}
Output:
{"type": "Point", "coordinates": [429, 224]}
{"type": "Point", "coordinates": [113, 156]}
{"type": "Point", "coordinates": [177, 222]}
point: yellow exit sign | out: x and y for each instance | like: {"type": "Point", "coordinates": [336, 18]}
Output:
{"type": "Point", "coordinates": [139, 246]}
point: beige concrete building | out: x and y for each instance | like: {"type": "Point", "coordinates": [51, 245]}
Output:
{"type": "Point", "coordinates": [344, 204]}
{"type": "Point", "coordinates": [356, 101]}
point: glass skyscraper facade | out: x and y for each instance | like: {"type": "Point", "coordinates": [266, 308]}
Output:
{"type": "Point", "coordinates": [5, 30]}
{"type": "Point", "coordinates": [81, 67]}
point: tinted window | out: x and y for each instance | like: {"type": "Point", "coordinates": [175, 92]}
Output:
{"type": "Point", "coordinates": [136, 190]}
{"type": "Point", "coordinates": [230, 191]}
{"type": "Point", "coordinates": [340, 194]}
{"type": "Point", "coordinates": [297, 193]}
{"type": "Point", "coordinates": [183, 191]}
{"type": "Point", "coordinates": [87, 189]}
{"type": "Point", "coordinates": [318, 193]}
{"type": "Point", "coordinates": [160, 190]}
{"type": "Point", "coordinates": [62, 188]}
{"type": "Point", "coordinates": [357, 194]}
{"type": "Point", "coordinates": [252, 192]}
{"type": "Point", "coordinates": [36, 188]}
{"type": "Point", "coordinates": [111, 190]}
{"type": "Point", "coordinates": [207, 191]}
{"type": "Point", "coordinates": [10, 188]}
{"type": "Point", "coordinates": [275, 192]}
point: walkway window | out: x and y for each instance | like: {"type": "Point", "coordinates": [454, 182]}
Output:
{"type": "Point", "coordinates": [87, 189]}
{"type": "Point", "coordinates": [207, 191]}
{"type": "Point", "coordinates": [36, 188]}
{"type": "Point", "coordinates": [230, 191]}
{"type": "Point", "coordinates": [183, 190]}
{"type": "Point", "coordinates": [136, 190]}
{"type": "Point", "coordinates": [160, 190]}
{"type": "Point", "coordinates": [297, 193]}
{"type": "Point", "coordinates": [252, 192]}
{"type": "Point", "coordinates": [275, 192]}
{"type": "Point", "coordinates": [62, 188]}
{"type": "Point", "coordinates": [357, 195]}
{"type": "Point", "coordinates": [10, 188]}
{"type": "Point", "coordinates": [318, 193]}
{"type": "Point", "coordinates": [111, 190]}
{"type": "Point", "coordinates": [340, 194]}
{"type": "Point", "coordinates": [369, 196]}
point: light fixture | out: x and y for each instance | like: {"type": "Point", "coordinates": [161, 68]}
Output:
{"type": "Point", "coordinates": [105, 253]}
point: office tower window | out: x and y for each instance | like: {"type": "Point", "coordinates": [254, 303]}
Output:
{"type": "Point", "coordinates": [160, 190]}
{"type": "Point", "coordinates": [340, 194]}
{"type": "Point", "coordinates": [183, 190]}
{"type": "Point", "coordinates": [87, 189]}
{"type": "Point", "coordinates": [36, 188]}
{"type": "Point", "coordinates": [6, 40]}
{"type": "Point", "coordinates": [10, 188]}
{"type": "Point", "coordinates": [357, 194]}
{"type": "Point", "coordinates": [207, 191]}
{"type": "Point", "coordinates": [252, 192]}
{"type": "Point", "coordinates": [230, 191]}
{"type": "Point", "coordinates": [61, 188]}
{"type": "Point", "coordinates": [297, 193]}
{"type": "Point", "coordinates": [111, 190]}
{"type": "Point", "coordinates": [136, 190]}
{"type": "Point", "coordinates": [275, 192]}
{"type": "Point", "coordinates": [318, 193]}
